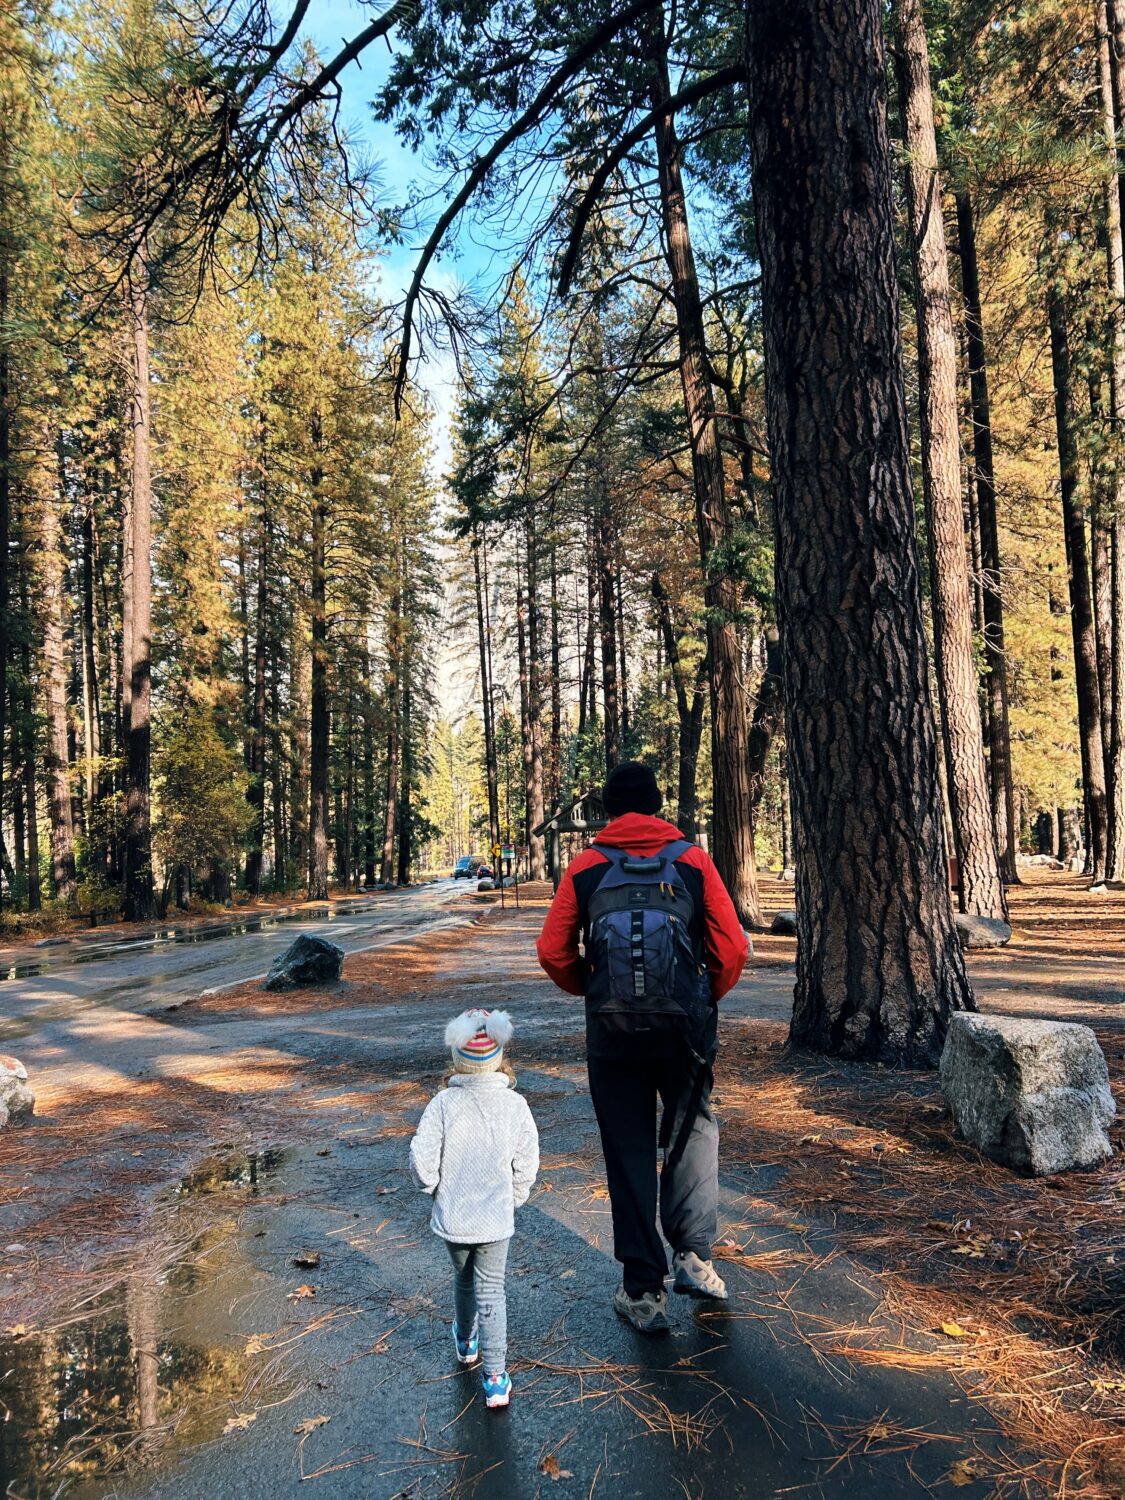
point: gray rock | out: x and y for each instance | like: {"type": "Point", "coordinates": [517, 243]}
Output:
{"type": "Point", "coordinates": [785, 923]}
{"type": "Point", "coordinates": [789, 875]}
{"type": "Point", "coordinates": [17, 1101]}
{"type": "Point", "coordinates": [307, 961]}
{"type": "Point", "coordinates": [1033, 1095]}
{"type": "Point", "coordinates": [486, 885]}
{"type": "Point", "coordinates": [981, 932]}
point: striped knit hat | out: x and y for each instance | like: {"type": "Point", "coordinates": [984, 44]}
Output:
{"type": "Point", "coordinates": [477, 1039]}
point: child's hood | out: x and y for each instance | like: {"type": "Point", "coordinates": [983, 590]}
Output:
{"type": "Point", "coordinates": [479, 1081]}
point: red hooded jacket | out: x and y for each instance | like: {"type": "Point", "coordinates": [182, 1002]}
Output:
{"type": "Point", "coordinates": [724, 940]}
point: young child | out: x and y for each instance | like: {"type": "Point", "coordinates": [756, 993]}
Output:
{"type": "Point", "coordinates": [476, 1150]}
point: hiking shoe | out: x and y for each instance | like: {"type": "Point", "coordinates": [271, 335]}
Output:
{"type": "Point", "coordinates": [467, 1349]}
{"type": "Point", "coordinates": [697, 1278]}
{"type": "Point", "coordinates": [497, 1388]}
{"type": "Point", "coordinates": [647, 1314]}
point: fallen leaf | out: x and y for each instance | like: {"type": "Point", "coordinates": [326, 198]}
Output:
{"type": "Point", "coordinates": [963, 1472]}
{"type": "Point", "coordinates": [563, 1275]}
{"type": "Point", "coordinates": [797, 1228]}
{"type": "Point", "coordinates": [241, 1422]}
{"type": "Point", "coordinates": [955, 1331]}
{"type": "Point", "coordinates": [810, 1140]}
{"type": "Point", "coordinates": [383, 1191]}
{"type": "Point", "coordinates": [310, 1424]}
{"type": "Point", "coordinates": [301, 1293]}
{"type": "Point", "coordinates": [551, 1467]}
{"type": "Point", "coordinates": [324, 1151]}
{"type": "Point", "coordinates": [309, 1259]}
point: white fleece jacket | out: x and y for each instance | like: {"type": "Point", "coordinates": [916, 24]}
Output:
{"type": "Point", "coordinates": [476, 1150]}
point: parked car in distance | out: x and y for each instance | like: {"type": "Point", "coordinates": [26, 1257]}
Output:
{"type": "Point", "coordinates": [465, 867]}
{"type": "Point", "coordinates": [484, 872]}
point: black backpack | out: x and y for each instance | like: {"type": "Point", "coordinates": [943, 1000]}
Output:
{"type": "Point", "coordinates": [645, 970]}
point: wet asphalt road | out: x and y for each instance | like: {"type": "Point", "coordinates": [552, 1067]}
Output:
{"type": "Point", "coordinates": [159, 969]}
{"type": "Point", "coordinates": [753, 1401]}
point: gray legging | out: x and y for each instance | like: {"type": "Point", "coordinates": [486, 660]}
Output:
{"type": "Point", "coordinates": [478, 1288]}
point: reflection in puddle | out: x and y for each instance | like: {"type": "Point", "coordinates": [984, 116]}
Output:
{"type": "Point", "coordinates": [179, 936]}
{"type": "Point", "coordinates": [230, 1168]}
{"type": "Point", "coordinates": [152, 1365]}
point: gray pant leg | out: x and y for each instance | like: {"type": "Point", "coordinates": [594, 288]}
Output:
{"type": "Point", "coordinates": [489, 1262]}
{"type": "Point", "coordinates": [689, 1181]}
{"type": "Point", "coordinates": [464, 1295]}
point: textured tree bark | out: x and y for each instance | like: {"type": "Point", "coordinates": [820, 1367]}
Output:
{"type": "Point", "coordinates": [405, 808]}
{"type": "Point", "coordinates": [732, 813]}
{"type": "Point", "coordinates": [537, 864]}
{"type": "Point", "coordinates": [480, 583]}
{"type": "Point", "coordinates": [769, 711]}
{"type": "Point", "coordinates": [5, 541]}
{"type": "Point", "coordinates": [879, 963]}
{"type": "Point", "coordinates": [999, 738]}
{"type": "Point", "coordinates": [368, 774]}
{"type": "Point", "coordinates": [91, 684]}
{"type": "Point", "coordinates": [1081, 597]}
{"type": "Point", "coordinates": [554, 746]}
{"type": "Point", "coordinates": [974, 840]}
{"type": "Point", "coordinates": [27, 757]}
{"type": "Point", "coordinates": [387, 871]}
{"type": "Point", "coordinates": [57, 762]}
{"type": "Point", "coordinates": [318, 700]}
{"type": "Point", "coordinates": [139, 903]}
{"type": "Point", "coordinates": [607, 630]}
{"type": "Point", "coordinates": [689, 712]}
{"type": "Point", "coordinates": [256, 791]}
{"type": "Point", "coordinates": [1111, 67]}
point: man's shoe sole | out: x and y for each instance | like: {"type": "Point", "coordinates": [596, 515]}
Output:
{"type": "Point", "coordinates": [698, 1293]}
{"type": "Point", "coordinates": [655, 1326]}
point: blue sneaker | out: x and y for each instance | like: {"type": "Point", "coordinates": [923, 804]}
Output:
{"type": "Point", "coordinates": [467, 1349]}
{"type": "Point", "coordinates": [497, 1388]}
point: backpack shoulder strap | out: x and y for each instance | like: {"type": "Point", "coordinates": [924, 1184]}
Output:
{"type": "Point", "coordinates": [677, 849]}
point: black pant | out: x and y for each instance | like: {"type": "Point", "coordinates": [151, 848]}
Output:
{"type": "Point", "coordinates": [624, 1095]}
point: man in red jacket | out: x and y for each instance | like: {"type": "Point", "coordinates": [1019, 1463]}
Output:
{"type": "Point", "coordinates": [629, 1070]}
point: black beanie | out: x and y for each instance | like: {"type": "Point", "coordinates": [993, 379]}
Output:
{"type": "Point", "coordinates": [631, 787]}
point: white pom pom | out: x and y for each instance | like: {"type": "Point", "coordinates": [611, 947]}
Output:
{"type": "Point", "coordinates": [461, 1030]}
{"type": "Point", "coordinates": [499, 1027]}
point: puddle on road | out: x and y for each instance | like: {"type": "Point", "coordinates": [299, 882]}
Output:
{"type": "Point", "coordinates": [153, 1367]}
{"type": "Point", "coordinates": [228, 1168]}
{"type": "Point", "coordinates": [178, 936]}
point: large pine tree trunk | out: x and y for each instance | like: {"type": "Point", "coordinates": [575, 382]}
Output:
{"type": "Point", "coordinates": [607, 630]}
{"type": "Point", "coordinates": [879, 963]}
{"type": "Point", "coordinates": [405, 811]}
{"type": "Point", "coordinates": [537, 865]}
{"type": "Point", "coordinates": [5, 542]}
{"type": "Point", "coordinates": [732, 819]}
{"type": "Point", "coordinates": [1111, 68]}
{"type": "Point", "coordinates": [981, 889]}
{"type": "Point", "coordinates": [57, 763]}
{"type": "Point", "coordinates": [139, 902]}
{"type": "Point", "coordinates": [27, 749]}
{"type": "Point", "coordinates": [999, 738]}
{"type": "Point", "coordinates": [318, 703]}
{"type": "Point", "coordinates": [256, 791]}
{"type": "Point", "coordinates": [480, 585]}
{"type": "Point", "coordinates": [554, 747]}
{"type": "Point", "coordinates": [1081, 597]}
{"type": "Point", "coordinates": [769, 710]}
{"type": "Point", "coordinates": [91, 685]}
{"type": "Point", "coordinates": [689, 712]}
